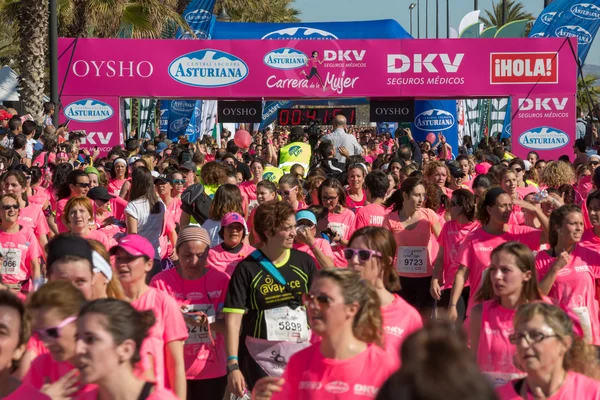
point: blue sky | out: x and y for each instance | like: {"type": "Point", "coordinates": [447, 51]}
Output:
{"type": "Point", "coordinates": [360, 10]}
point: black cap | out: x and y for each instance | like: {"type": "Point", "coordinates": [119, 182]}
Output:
{"type": "Point", "coordinates": [455, 171]}
{"type": "Point", "coordinates": [161, 178]}
{"type": "Point", "coordinates": [65, 245]}
{"type": "Point", "coordinates": [99, 193]}
{"type": "Point", "coordinates": [189, 165]}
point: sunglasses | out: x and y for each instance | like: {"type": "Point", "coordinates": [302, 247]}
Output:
{"type": "Point", "coordinates": [178, 181]}
{"type": "Point", "coordinates": [517, 170]}
{"type": "Point", "coordinates": [363, 254]}
{"type": "Point", "coordinates": [9, 206]}
{"type": "Point", "coordinates": [319, 300]}
{"type": "Point", "coordinates": [594, 163]}
{"type": "Point", "coordinates": [286, 192]}
{"type": "Point", "coordinates": [54, 332]}
{"type": "Point", "coordinates": [82, 185]}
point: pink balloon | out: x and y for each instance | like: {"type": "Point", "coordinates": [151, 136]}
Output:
{"type": "Point", "coordinates": [430, 137]}
{"type": "Point", "coordinates": [242, 138]}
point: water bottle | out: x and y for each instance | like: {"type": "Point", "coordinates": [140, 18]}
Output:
{"type": "Point", "coordinates": [540, 195]}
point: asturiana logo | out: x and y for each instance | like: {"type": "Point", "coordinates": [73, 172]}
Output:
{"type": "Point", "coordinates": [544, 138]}
{"type": "Point", "coordinates": [586, 11]}
{"type": "Point", "coordinates": [583, 36]}
{"type": "Point", "coordinates": [300, 32]}
{"type": "Point", "coordinates": [208, 68]}
{"type": "Point", "coordinates": [548, 17]}
{"type": "Point", "coordinates": [88, 110]}
{"type": "Point", "coordinates": [538, 35]}
{"type": "Point", "coordinates": [285, 58]}
{"type": "Point", "coordinates": [180, 124]}
{"type": "Point", "coordinates": [198, 16]}
{"type": "Point", "coordinates": [434, 120]}
{"type": "Point", "coordinates": [182, 106]}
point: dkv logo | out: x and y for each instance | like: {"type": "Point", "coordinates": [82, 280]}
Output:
{"type": "Point", "coordinates": [208, 68]}
{"type": "Point", "coordinates": [434, 120]}
{"type": "Point", "coordinates": [544, 138]}
{"type": "Point", "coordinates": [586, 11]}
{"type": "Point", "coordinates": [583, 36]}
{"type": "Point", "coordinates": [285, 58]}
{"type": "Point", "coordinates": [97, 138]}
{"type": "Point", "coordinates": [88, 110]}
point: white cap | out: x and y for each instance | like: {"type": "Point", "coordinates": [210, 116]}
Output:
{"type": "Point", "coordinates": [527, 165]}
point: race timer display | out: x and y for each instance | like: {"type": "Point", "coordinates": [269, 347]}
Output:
{"type": "Point", "coordinates": [308, 116]}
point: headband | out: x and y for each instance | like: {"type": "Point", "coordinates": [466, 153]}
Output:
{"type": "Point", "coordinates": [100, 265]}
{"type": "Point", "coordinates": [120, 160]}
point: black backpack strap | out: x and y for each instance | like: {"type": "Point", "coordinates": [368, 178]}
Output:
{"type": "Point", "coordinates": [146, 390]}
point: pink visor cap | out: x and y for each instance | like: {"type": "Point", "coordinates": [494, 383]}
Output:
{"type": "Point", "coordinates": [135, 245]}
{"type": "Point", "coordinates": [232, 218]}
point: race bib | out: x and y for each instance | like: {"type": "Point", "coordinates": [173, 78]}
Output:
{"type": "Point", "coordinates": [411, 260]}
{"type": "Point", "coordinates": [12, 261]}
{"type": "Point", "coordinates": [285, 324]}
{"type": "Point", "coordinates": [339, 228]}
{"type": "Point", "coordinates": [199, 334]}
{"type": "Point", "coordinates": [252, 205]}
{"type": "Point", "coordinates": [586, 323]}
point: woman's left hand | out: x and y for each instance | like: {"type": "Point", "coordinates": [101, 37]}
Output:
{"type": "Point", "coordinates": [265, 387]}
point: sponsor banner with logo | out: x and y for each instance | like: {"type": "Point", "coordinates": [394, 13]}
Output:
{"type": "Point", "coordinates": [387, 127]}
{"type": "Point", "coordinates": [544, 123]}
{"type": "Point", "coordinates": [164, 115]}
{"type": "Point", "coordinates": [199, 16]}
{"type": "Point", "coordinates": [579, 19]}
{"type": "Point", "coordinates": [349, 68]}
{"type": "Point", "coordinates": [397, 111]}
{"type": "Point", "coordinates": [98, 116]}
{"type": "Point", "coordinates": [436, 116]}
{"type": "Point", "coordinates": [181, 113]}
{"type": "Point", "coordinates": [239, 111]}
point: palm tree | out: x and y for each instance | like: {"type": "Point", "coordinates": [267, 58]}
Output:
{"type": "Point", "coordinates": [514, 11]}
{"type": "Point", "coordinates": [591, 83]}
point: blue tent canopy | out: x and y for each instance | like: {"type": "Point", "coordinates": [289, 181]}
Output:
{"type": "Point", "coordinates": [377, 29]}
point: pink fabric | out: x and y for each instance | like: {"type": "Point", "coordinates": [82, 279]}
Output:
{"type": "Point", "coordinates": [421, 235]}
{"type": "Point", "coordinates": [204, 358]}
{"type": "Point", "coordinates": [100, 237]}
{"type": "Point", "coordinates": [224, 261]}
{"type": "Point", "coordinates": [158, 393]}
{"type": "Point", "coordinates": [309, 375]}
{"type": "Point", "coordinates": [40, 196]}
{"type": "Point", "coordinates": [26, 391]}
{"type": "Point", "coordinates": [344, 225]}
{"type": "Point", "coordinates": [44, 369]}
{"type": "Point", "coordinates": [60, 208]}
{"type": "Point", "coordinates": [482, 168]}
{"type": "Point", "coordinates": [370, 215]}
{"type": "Point", "coordinates": [321, 244]}
{"type": "Point", "coordinates": [400, 319]}
{"type": "Point", "coordinates": [476, 250]}
{"type": "Point", "coordinates": [356, 205]}
{"type": "Point", "coordinates": [524, 191]}
{"type": "Point", "coordinates": [494, 351]}
{"type": "Point", "coordinates": [166, 247]}
{"type": "Point", "coordinates": [575, 284]}
{"type": "Point", "coordinates": [175, 210]}
{"type": "Point", "coordinates": [452, 236]}
{"type": "Point", "coordinates": [36, 346]}
{"type": "Point", "coordinates": [576, 386]}
{"type": "Point", "coordinates": [33, 217]}
{"type": "Point", "coordinates": [585, 186]}
{"type": "Point", "coordinates": [590, 240]}
{"type": "Point", "coordinates": [115, 185]}
{"type": "Point", "coordinates": [169, 327]}
{"type": "Point", "coordinates": [25, 241]}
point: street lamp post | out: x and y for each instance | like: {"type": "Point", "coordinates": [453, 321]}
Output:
{"type": "Point", "coordinates": [437, 19]}
{"type": "Point", "coordinates": [547, 3]}
{"type": "Point", "coordinates": [503, 12]}
{"type": "Point", "coordinates": [426, 19]}
{"type": "Point", "coordinates": [475, 5]}
{"type": "Point", "coordinates": [448, 19]}
{"type": "Point", "coordinates": [223, 15]}
{"type": "Point", "coordinates": [410, 8]}
{"type": "Point", "coordinates": [419, 19]}
{"type": "Point", "coordinates": [54, 59]}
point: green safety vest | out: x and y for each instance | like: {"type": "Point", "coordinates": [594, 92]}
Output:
{"type": "Point", "coordinates": [272, 174]}
{"type": "Point", "coordinates": [294, 153]}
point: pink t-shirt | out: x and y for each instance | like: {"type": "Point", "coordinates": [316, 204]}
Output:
{"type": "Point", "coordinates": [175, 209]}
{"type": "Point", "coordinates": [452, 236]}
{"type": "Point", "coordinates": [476, 251]}
{"type": "Point", "coordinates": [248, 188]}
{"type": "Point", "coordinates": [33, 217]}
{"type": "Point", "coordinates": [416, 250]}
{"type": "Point", "coordinates": [169, 327]}
{"type": "Point", "coordinates": [495, 352]}
{"type": "Point", "coordinates": [100, 237]}
{"type": "Point", "coordinates": [115, 185]}
{"type": "Point", "coordinates": [158, 393]}
{"type": "Point", "coordinates": [576, 386]}
{"type": "Point", "coordinates": [343, 224]}
{"type": "Point", "coordinates": [356, 205]}
{"type": "Point", "coordinates": [575, 286]}
{"type": "Point", "coordinates": [26, 391]}
{"type": "Point", "coordinates": [309, 375]}
{"type": "Point", "coordinates": [321, 244]}
{"type": "Point", "coordinates": [524, 191]}
{"type": "Point", "coordinates": [40, 196]}
{"type": "Point", "coordinates": [400, 319]}
{"type": "Point", "coordinates": [590, 240]}
{"type": "Point", "coordinates": [225, 261]}
{"type": "Point", "coordinates": [370, 215]}
{"type": "Point", "coordinates": [205, 356]}
{"type": "Point", "coordinates": [44, 369]}
{"type": "Point", "coordinates": [19, 250]}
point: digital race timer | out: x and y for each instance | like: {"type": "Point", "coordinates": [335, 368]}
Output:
{"type": "Point", "coordinates": [320, 116]}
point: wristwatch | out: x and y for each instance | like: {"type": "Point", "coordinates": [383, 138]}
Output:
{"type": "Point", "coordinates": [232, 367]}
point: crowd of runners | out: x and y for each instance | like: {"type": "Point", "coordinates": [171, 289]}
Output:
{"type": "Point", "coordinates": [335, 263]}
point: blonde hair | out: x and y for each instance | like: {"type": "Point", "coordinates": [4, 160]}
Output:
{"type": "Point", "coordinates": [72, 203]}
{"type": "Point", "coordinates": [368, 322]}
{"type": "Point", "coordinates": [430, 168]}
{"type": "Point", "coordinates": [581, 357]}
{"type": "Point", "coordinates": [558, 173]}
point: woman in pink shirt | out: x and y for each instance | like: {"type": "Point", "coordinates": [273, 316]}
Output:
{"type": "Point", "coordinates": [524, 187]}
{"type": "Point", "coordinates": [118, 176]}
{"type": "Point", "coordinates": [591, 236]}
{"type": "Point", "coordinates": [15, 336]}
{"type": "Point", "coordinates": [248, 188]}
{"type": "Point", "coordinates": [54, 309]}
{"type": "Point", "coordinates": [473, 259]}
{"type": "Point", "coordinates": [437, 172]}
{"type": "Point", "coordinates": [348, 362]}
{"type": "Point", "coordinates": [371, 253]}
{"type": "Point", "coordinates": [163, 348]}
{"type": "Point", "coordinates": [377, 185]}
{"type": "Point", "coordinates": [177, 181]}
{"type": "Point", "coordinates": [38, 195]}
{"type": "Point", "coordinates": [339, 219]}
{"type": "Point", "coordinates": [307, 242]}
{"type": "Point", "coordinates": [265, 191]}
{"type": "Point", "coordinates": [568, 271]}
{"type": "Point", "coordinates": [110, 333]}
{"type": "Point", "coordinates": [462, 212]}
{"type": "Point", "coordinates": [199, 288]}
{"type": "Point", "coordinates": [511, 281]}
{"type": "Point", "coordinates": [290, 191]}
{"type": "Point", "coordinates": [77, 216]}
{"type": "Point", "coordinates": [355, 194]}
{"type": "Point", "coordinates": [508, 182]}
{"type": "Point", "coordinates": [415, 230]}
{"type": "Point", "coordinates": [551, 351]}
{"type": "Point", "coordinates": [76, 185]}
{"type": "Point", "coordinates": [164, 187]}
{"type": "Point", "coordinates": [226, 256]}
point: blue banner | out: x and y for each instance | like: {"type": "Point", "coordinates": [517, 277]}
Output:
{"type": "Point", "coordinates": [180, 116]}
{"type": "Point", "coordinates": [199, 16]}
{"type": "Point", "coordinates": [570, 18]}
{"type": "Point", "coordinates": [163, 122]}
{"type": "Point", "coordinates": [387, 127]}
{"type": "Point", "coordinates": [506, 128]}
{"type": "Point", "coordinates": [436, 116]}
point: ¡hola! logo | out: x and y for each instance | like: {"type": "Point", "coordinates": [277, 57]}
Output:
{"type": "Point", "coordinates": [524, 68]}
{"type": "Point", "coordinates": [88, 110]}
{"type": "Point", "coordinates": [586, 11]}
{"type": "Point", "coordinates": [434, 120]}
{"type": "Point", "coordinates": [208, 68]}
{"type": "Point", "coordinates": [285, 58]}
{"type": "Point", "coordinates": [544, 138]}
{"type": "Point", "coordinates": [583, 36]}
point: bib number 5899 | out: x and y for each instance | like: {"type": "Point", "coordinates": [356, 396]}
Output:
{"type": "Point", "coordinates": [290, 326]}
